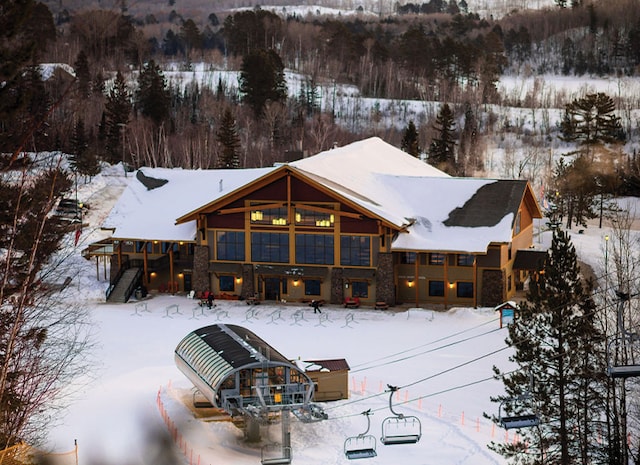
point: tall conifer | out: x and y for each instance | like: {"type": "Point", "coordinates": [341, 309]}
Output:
{"type": "Point", "coordinates": [229, 141]}
{"type": "Point", "coordinates": [558, 345]}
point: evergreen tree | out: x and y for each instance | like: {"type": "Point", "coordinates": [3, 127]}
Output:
{"type": "Point", "coordinates": [262, 79]}
{"type": "Point", "coordinates": [117, 113]}
{"type": "Point", "coordinates": [590, 119]}
{"type": "Point", "coordinates": [558, 344]}
{"type": "Point", "coordinates": [35, 353]}
{"type": "Point", "coordinates": [190, 36]}
{"type": "Point", "coordinates": [152, 97]}
{"type": "Point", "coordinates": [229, 141]}
{"type": "Point", "coordinates": [441, 151]}
{"type": "Point", "coordinates": [309, 97]}
{"type": "Point", "coordinates": [410, 143]}
{"type": "Point", "coordinates": [21, 89]}
{"type": "Point", "coordinates": [83, 74]}
{"type": "Point", "coordinates": [83, 160]}
{"type": "Point", "coordinates": [576, 184]}
{"type": "Point", "coordinates": [79, 144]}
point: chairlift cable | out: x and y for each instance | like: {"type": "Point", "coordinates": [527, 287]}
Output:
{"type": "Point", "coordinates": [426, 344]}
{"type": "Point", "coordinates": [427, 351]}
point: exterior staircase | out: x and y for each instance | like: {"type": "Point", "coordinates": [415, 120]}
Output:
{"type": "Point", "coordinates": [125, 286]}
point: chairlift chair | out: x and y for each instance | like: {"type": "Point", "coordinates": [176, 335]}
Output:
{"type": "Point", "coordinates": [627, 340]}
{"type": "Point", "coordinates": [362, 446]}
{"type": "Point", "coordinates": [399, 429]}
{"type": "Point", "coordinates": [619, 370]}
{"type": "Point", "coordinates": [527, 419]}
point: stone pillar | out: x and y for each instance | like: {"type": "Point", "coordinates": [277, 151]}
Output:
{"type": "Point", "coordinates": [248, 281]}
{"type": "Point", "coordinates": [492, 292]}
{"type": "Point", "coordinates": [337, 286]}
{"type": "Point", "coordinates": [201, 280]}
{"type": "Point", "coordinates": [385, 287]}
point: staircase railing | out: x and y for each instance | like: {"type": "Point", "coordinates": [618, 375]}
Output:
{"type": "Point", "coordinates": [132, 284]}
{"type": "Point", "coordinates": [115, 279]}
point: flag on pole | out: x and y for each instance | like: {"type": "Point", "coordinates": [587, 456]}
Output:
{"type": "Point", "coordinates": [78, 232]}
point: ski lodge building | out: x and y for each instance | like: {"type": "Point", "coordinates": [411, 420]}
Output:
{"type": "Point", "coordinates": [365, 220]}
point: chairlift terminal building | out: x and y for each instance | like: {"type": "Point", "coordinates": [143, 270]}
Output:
{"type": "Point", "coordinates": [236, 370]}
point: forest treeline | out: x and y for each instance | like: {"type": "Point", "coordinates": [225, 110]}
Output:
{"type": "Point", "coordinates": [436, 51]}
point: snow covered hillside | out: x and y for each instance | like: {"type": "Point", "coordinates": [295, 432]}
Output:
{"type": "Point", "coordinates": [441, 360]}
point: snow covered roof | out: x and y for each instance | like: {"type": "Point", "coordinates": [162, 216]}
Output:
{"type": "Point", "coordinates": [150, 214]}
{"type": "Point", "coordinates": [433, 210]}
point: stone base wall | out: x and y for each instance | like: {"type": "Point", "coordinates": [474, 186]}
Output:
{"type": "Point", "coordinates": [248, 281]}
{"type": "Point", "coordinates": [385, 287]}
{"type": "Point", "coordinates": [201, 279]}
{"type": "Point", "coordinates": [337, 286]}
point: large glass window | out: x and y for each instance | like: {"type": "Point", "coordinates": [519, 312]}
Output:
{"type": "Point", "coordinates": [436, 288]}
{"type": "Point", "coordinates": [314, 249]}
{"type": "Point", "coordinates": [230, 245]}
{"type": "Point", "coordinates": [311, 287]}
{"type": "Point", "coordinates": [436, 259]}
{"type": "Point", "coordinates": [269, 247]}
{"type": "Point", "coordinates": [465, 290]}
{"type": "Point", "coordinates": [359, 289]}
{"type": "Point", "coordinates": [355, 251]}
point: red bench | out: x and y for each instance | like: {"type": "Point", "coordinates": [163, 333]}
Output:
{"type": "Point", "coordinates": [352, 302]}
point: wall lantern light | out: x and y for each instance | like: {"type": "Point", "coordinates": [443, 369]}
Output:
{"type": "Point", "coordinates": [238, 279]}
{"type": "Point", "coordinates": [410, 283]}
{"type": "Point", "coordinates": [451, 285]}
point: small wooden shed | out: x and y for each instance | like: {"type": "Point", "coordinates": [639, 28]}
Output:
{"type": "Point", "coordinates": [330, 377]}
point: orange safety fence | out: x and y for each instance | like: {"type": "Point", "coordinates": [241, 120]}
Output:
{"type": "Point", "coordinates": [23, 454]}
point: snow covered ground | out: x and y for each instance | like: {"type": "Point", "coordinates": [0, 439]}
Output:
{"type": "Point", "coordinates": [441, 360]}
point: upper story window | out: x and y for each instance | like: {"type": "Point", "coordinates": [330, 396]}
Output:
{"type": "Point", "coordinates": [465, 259]}
{"type": "Point", "coordinates": [517, 224]}
{"type": "Point", "coordinates": [355, 251]}
{"type": "Point", "coordinates": [272, 216]}
{"type": "Point", "coordinates": [436, 259]}
{"type": "Point", "coordinates": [230, 245]}
{"type": "Point", "coordinates": [314, 249]}
{"type": "Point", "coordinates": [407, 257]}
{"type": "Point", "coordinates": [269, 247]}
{"type": "Point", "coordinates": [318, 219]}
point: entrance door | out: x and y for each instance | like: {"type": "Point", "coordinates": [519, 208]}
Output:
{"type": "Point", "coordinates": [187, 282]}
{"type": "Point", "coordinates": [272, 289]}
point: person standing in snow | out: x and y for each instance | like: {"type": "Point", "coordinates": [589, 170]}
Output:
{"type": "Point", "coordinates": [316, 306]}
